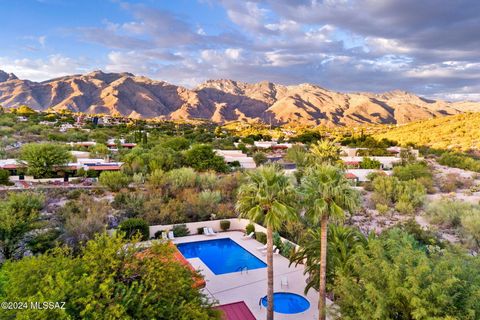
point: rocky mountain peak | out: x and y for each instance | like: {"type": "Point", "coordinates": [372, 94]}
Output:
{"type": "Point", "coordinates": [4, 76]}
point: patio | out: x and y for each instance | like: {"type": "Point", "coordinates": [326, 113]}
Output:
{"type": "Point", "coordinates": [252, 285]}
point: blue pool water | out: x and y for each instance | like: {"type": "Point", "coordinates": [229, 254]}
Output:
{"type": "Point", "coordinates": [286, 302]}
{"type": "Point", "coordinates": [221, 255]}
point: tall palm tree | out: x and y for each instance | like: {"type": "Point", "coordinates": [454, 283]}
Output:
{"type": "Point", "coordinates": [267, 197]}
{"type": "Point", "coordinates": [326, 194]}
{"type": "Point", "coordinates": [343, 241]}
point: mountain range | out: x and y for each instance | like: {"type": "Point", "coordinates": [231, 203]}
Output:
{"type": "Point", "coordinates": [221, 100]}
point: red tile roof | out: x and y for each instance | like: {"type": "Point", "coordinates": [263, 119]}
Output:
{"type": "Point", "coordinates": [349, 175]}
{"type": "Point", "coordinates": [103, 168]}
{"type": "Point", "coordinates": [236, 311]}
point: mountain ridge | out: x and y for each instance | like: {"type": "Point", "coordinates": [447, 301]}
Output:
{"type": "Point", "coordinates": [221, 100]}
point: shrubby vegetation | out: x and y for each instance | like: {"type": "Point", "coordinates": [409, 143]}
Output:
{"type": "Point", "coordinates": [403, 196]}
{"type": "Point", "coordinates": [393, 278]}
{"type": "Point", "coordinates": [460, 216]}
{"type": "Point", "coordinates": [42, 157]}
{"type": "Point", "coordinates": [107, 279]}
{"type": "Point", "coordinates": [459, 161]}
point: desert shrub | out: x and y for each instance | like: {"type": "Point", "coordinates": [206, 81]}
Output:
{"type": "Point", "coordinates": [411, 171]}
{"type": "Point", "coordinates": [459, 161]}
{"type": "Point", "coordinates": [130, 204]}
{"type": "Point", "coordinates": [114, 180]}
{"type": "Point", "coordinates": [180, 230]}
{"type": "Point", "coordinates": [424, 237]}
{"type": "Point", "coordinates": [369, 163]}
{"type": "Point", "coordinates": [207, 180]}
{"type": "Point", "coordinates": [261, 237]}
{"type": "Point", "coordinates": [43, 241]}
{"type": "Point", "coordinates": [405, 196]}
{"type": "Point", "coordinates": [250, 228]}
{"type": "Point", "coordinates": [287, 249]}
{"type": "Point", "coordinates": [446, 212]}
{"type": "Point", "coordinates": [134, 227]}
{"type": "Point", "coordinates": [4, 177]}
{"type": "Point", "coordinates": [381, 208]}
{"type": "Point", "coordinates": [74, 194]}
{"type": "Point", "coordinates": [224, 225]}
{"type": "Point", "coordinates": [277, 240]}
{"type": "Point", "coordinates": [83, 219]}
{"type": "Point", "coordinates": [181, 178]}
{"type": "Point", "coordinates": [155, 179]}
{"type": "Point", "coordinates": [471, 227]}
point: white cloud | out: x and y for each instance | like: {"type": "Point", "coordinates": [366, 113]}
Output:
{"type": "Point", "coordinates": [43, 69]}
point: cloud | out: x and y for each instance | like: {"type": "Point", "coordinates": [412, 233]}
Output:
{"type": "Point", "coordinates": [41, 69]}
{"type": "Point", "coordinates": [428, 47]}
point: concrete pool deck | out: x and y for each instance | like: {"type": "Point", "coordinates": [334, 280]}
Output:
{"type": "Point", "coordinates": [252, 285]}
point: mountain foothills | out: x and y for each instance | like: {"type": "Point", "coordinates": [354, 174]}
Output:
{"type": "Point", "coordinates": [221, 100]}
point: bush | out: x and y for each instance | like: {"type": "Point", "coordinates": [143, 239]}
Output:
{"type": "Point", "coordinates": [114, 180]}
{"type": "Point", "coordinates": [287, 249]}
{"type": "Point", "coordinates": [224, 225]}
{"type": "Point", "coordinates": [4, 177]}
{"type": "Point", "coordinates": [381, 208]}
{"type": "Point", "coordinates": [250, 228]}
{"type": "Point", "coordinates": [200, 230]}
{"type": "Point", "coordinates": [132, 227]}
{"type": "Point", "coordinates": [158, 234]}
{"type": "Point", "coordinates": [369, 163]}
{"type": "Point", "coordinates": [261, 237]}
{"type": "Point", "coordinates": [277, 240]}
{"type": "Point", "coordinates": [180, 230]}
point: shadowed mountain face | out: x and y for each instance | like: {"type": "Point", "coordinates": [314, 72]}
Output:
{"type": "Point", "coordinates": [220, 100]}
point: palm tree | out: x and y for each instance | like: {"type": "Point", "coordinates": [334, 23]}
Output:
{"type": "Point", "coordinates": [267, 197]}
{"type": "Point", "coordinates": [325, 152]}
{"type": "Point", "coordinates": [326, 194]}
{"type": "Point", "coordinates": [343, 241]}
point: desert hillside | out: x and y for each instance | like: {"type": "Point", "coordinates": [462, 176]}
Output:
{"type": "Point", "coordinates": [221, 100]}
{"type": "Point", "coordinates": [459, 132]}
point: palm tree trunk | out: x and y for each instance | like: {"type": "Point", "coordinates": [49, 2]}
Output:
{"type": "Point", "coordinates": [322, 311]}
{"type": "Point", "coordinates": [269, 273]}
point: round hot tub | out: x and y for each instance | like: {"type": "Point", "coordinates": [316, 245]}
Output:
{"type": "Point", "coordinates": [287, 302]}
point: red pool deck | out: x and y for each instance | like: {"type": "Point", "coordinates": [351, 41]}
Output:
{"type": "Point", "coordinates": [236, 311]}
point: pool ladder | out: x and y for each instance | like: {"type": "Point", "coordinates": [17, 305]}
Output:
{"type": "Point", "coordinates": [242, 268]}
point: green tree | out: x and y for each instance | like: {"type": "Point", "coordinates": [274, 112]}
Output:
{"type": "Point", "coordinates": [395, 278]}
{"type": "Point", "coordinates": [298, 155]}
{"type": "Point", "coordinates": [108, 279]}
{"type": "Point", "coordinates": [325, 152]}
{"type": "Point", "coordinates": [201, 157]}
{"type": "Point", "coordinates": [4, 177]}
{"type": "Point", "coordinates": [24, 110]}
{"type": "Point", "coordinates": [99, 150]}
{"type": "Point", "coordinates": [114, 180]}
{"type": "Point", "coordinates": [43, 157]}
{"type": "Point", "coordinates": [343, 242]}
{"type": "Point", "coordinates": [369, 163]}
{"type": "Point", "coordinates": [267, 197]}
{"type": "Point", "coordinates": [19, 214]}
{"type": "Point", "coordinates": [326, 194]}
{"type": "Point", "coordinates": [260, 158]}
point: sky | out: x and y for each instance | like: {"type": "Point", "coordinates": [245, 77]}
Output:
{"type": "Point", "coordinates": [428, 47]}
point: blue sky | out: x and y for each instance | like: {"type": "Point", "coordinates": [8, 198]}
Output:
{"type": "Point", "coordinates": [429, 47]}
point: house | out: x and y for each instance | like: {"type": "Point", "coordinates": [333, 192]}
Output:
{"type": "Point", "coordinates": [231, 156]}
{"type": "Point", "coordinates": [386, 163]}
{"type": "Point", "coordinates": [362, 174]}
{"type": "Point", "coordinates": [12, 165]}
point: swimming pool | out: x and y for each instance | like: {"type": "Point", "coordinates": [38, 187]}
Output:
{"type": "Point", "coordinates": [287, 302]}
{"type": "Point", "coordinates": [221, 255]}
